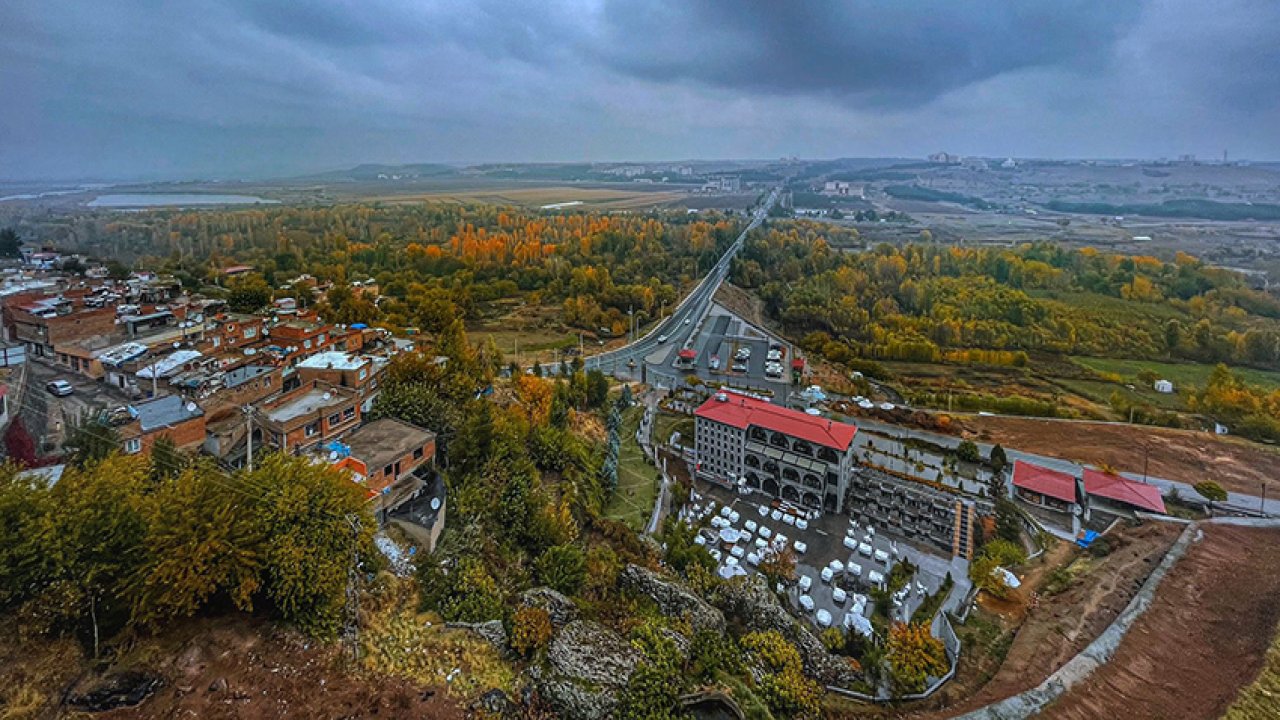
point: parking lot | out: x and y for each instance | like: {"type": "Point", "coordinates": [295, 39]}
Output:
{"type": "Point", "coordinates": [719, 339]}
{"type": "Point", "coordinates": [865, 556]}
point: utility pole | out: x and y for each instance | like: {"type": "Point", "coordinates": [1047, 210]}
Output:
{"type": "Point", "coordinates": [248, 426]}
{"type": "Point", "coordinates": [1146, 457]}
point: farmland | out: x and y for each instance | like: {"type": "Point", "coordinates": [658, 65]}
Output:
{"type": "Point", "coordinates": [1182, 375]}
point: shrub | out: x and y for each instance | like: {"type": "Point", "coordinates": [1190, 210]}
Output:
{"type": "Point", "coordinates": [914, 655]}
{"type": "Point", "coordinates": [530, 630]}
{"type": "Point", "coordinates": [968, 451]}
{"type": "Point", "coordinates": [1211, 491]}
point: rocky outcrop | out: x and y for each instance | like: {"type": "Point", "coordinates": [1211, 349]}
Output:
{"type": "Point", "coordinates": [560, 608]}
{"type": "Point", "coordinates": [495, 705]}
{"type": "Point", "coordinates": [588, 665]}
{"type": "Point", "coordinates": [490, 630]}
{"type": "Point", "coordinates": [119, 691]}
{"type": "Point", "coordinates": [673, 599]}
{"type": "Point", "coordinates": [750, 601]}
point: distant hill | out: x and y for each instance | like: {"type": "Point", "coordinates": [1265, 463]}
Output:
{"type": "Point", "coordinates": [374, 171]}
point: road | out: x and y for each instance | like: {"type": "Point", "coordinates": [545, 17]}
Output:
{"type": "Point", "coordinates": [676, 329]}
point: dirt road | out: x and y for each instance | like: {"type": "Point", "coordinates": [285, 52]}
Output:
{"type": "Point", "coordinates": [1202, 639]}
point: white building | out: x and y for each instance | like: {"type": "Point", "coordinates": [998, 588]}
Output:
{"type": "Point", "coordinates": [1164, 386]}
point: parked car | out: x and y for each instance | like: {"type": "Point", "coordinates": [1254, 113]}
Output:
{"type": "Point", "coordinates": [59, 388]}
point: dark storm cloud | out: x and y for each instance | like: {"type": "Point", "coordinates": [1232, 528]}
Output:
{"type": "Point", "coordinates": [262, 87]}
{"type": "Point", "coordinates": [887, 52]}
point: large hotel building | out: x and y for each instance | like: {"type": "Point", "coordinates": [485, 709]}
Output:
{"type": "Point", "coordinates": [783, 453]}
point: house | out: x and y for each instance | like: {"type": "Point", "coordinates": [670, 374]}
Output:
{"type": "Point", "coordinates": [300, 338]}
{"type": "Point", "coordinates": [172, 416]}
{"type": "Point", "coordinates": [1108, 490]}
{"type": "Point", "coordinates": [228, 331]}
{"type": "Point", "coordinates": [346, 370]}
{"type": "Point", "coordinates": [781, 452]}
{"type": "Point", "coordinates": [47, 322]}
{"type": "Point", "coordinates": [383, 453]}
{"type": "Point", "coordinates": [307, 416]}
{"type": "Point", "coordinates": [1164, 386]}
{"type": "Point", "coordinates": [1079, 497]}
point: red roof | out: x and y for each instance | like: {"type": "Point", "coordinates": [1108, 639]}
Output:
{"type": "Point", "coordinates": [1051, 483]}
{"type": "Point", "coordinates": [741, 411]}
{"type": "Point", "coordinates": [1130, 492]}
{"type": "Point", "coordinates": [688, 354]}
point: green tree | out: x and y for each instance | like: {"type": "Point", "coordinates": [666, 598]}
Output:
{"type": "Point", "coordinates": [998, 459]}
{"type": "Point", "coordinates": [967, 451]}
{"type": "Point", "coordinates": [597, 388]}
{"type": "Point", "coordinates": [914, 656]}
{"type": "Point", "coordinates": [248, 294]}
{"type": "Point", "coordinates": [166, 459]}
{"type": "Point", "coordinates": [91, 441]}
{"type": "Point", "coordinates": [10, 243]}
{"type": "Point", "coordinates": [1211, 491]}
{"type": "Point", "coordinates": [562, 567]}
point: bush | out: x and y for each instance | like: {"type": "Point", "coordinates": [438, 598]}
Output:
{"type": "Point", "coordinates": [530, 631]}
{"type": "Point", "coordinates": [968, 452]}
{"type": "Point", "coordinates": [914, 656]}
{"type": "Point", "coordinates": [1211, 491]}
{"type": "Point", "coordinates": [562, 567]}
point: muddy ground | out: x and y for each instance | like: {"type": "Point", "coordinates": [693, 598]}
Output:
{"type": "Point", "coordinates": [1187, 456]}
{"type": "Point", "coordinates": [215, 668]}
{"type": "Point", "coordinates": [1203, 638]}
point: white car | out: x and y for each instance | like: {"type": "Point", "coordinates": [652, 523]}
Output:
{"type": "Point", "coordinates": [730, 561]}
{"type": "Point", "coordinates": [805, 583]}
{"type": "Point", "coordinates": [750, 526]}
{"type": "Point", "coordinates": [800, 547]}
{"type": "Point", "coordinates": [836, 566]}
{"type": "Point", "coordinates": [851, 543]}
{"type": "Point", "coordinates": [716, 555]}
{"type": "Point", "coordinates": [864, 549]}
{"type": "Point", "coordinates": [662, 338]}
{"type": "Point", "coordinates": [726, 511]}
{"type": "Point", "coordinates": [824, 618]}
{"type": "Point", "coordinates": [775, 515]}
{"type": "Point", "coordinates": [761, 543]}
{"type": "Point", "coordinates": [765, 532]}
{"type": "Point", "coordinates": [854, 569]}
{"type": "Point", "coordinates": [753, 559]}
{"type": "Point", "coordinates": [699, 540]}
{"type": "Point", "coordinates": [780, 540]}
{"type": "Point", "coordinates": [838, 596]}
{"type": "Point", "coordinates": [789, 519]}
{"type": "Point", "coordinates": [802, 524]}
{"type": "Point", "coordinates": [745, 537]}
{"type": "Point", "coordinates": [764, 511]}
{"type": "Point", "coordinates": [737, 551]}
{"type": "Point", "coordinates": [806, 602]}
{"type": "Point", "coordinates": [827, 574]}
{"type": "Point", "coordinates": [882, 556]}
{"type": "Point", "coordinates": [688, 320]}
{"type": "Point", "coordinates": [734, 517]}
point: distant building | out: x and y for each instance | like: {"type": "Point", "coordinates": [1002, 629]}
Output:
{"type": "Point", "coordinates": [172, 416]}
{"type": "Point", "coordinates": [943, 158]}
{"type": "Point", "coordinates": [1164, 386]}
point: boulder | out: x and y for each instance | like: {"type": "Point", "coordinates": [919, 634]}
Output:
{"type": "Point", "coordinates": [673, 599]}
{"type": "Point", "coordinates": [588, 665]}
{"type": "Point", "coordinates": [496, 705]}
{"type": "Point", "coordinates": [560, 608]}
{"type": "Point", "coordinates": [751, 601]}
{"type": "Point", "coordinates": [490, 630]}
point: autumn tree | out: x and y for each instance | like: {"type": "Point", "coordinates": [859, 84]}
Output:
{"type": "Point", "coordinates": [248, 293]}
{"type": "Point", "coordinates": [914, 656]}
{"type": "Point", "coordinates": [19, 446]}
{"type": "Point", "coordinates": [779, 566]}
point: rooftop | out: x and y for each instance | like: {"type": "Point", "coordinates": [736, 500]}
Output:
{"type": "Point", "coordinates": [315, 399]}
{"type": "Point", "coordinates": [334, 360]}
{"type": "Point", "coordinates": [742, 411]}
{"type": "Point", "coordinates": [1051, 483]}
{"type": "Point", "coordinates": [244, 374]}
{"type": "Point", "coordinates": [170, 363]}
{"type": "Point", "coordinates": [384, 441]}
{"type": "Point", "coordinates": [1130, 492]}
{"type": "Point", "coordinates": [165, 411]}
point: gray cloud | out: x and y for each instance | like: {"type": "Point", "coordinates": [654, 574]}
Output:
{"type": "Point", "coordinates": [253, 87]}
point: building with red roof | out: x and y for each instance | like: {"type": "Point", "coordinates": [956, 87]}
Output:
{"type": "Point", "coordinates": [1130, 493]}
{"type": "Point", "coordinates": [1038, 485]}
{"type": "Point", "coordinates": [781, 452]}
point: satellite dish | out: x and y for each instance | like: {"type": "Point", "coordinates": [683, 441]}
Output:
{"type": "Point", "coordinates": [435, 503]}
{"type": "Point", "coordinates": [333, 456]}
{"type": "Point", "coordinates": [327, 396]}
{"type": "Point", "coordinates": [192, 407]}
{"type": "Point", "coordinates": [176, 344]}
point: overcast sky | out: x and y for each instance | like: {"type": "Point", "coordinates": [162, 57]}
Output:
{"type": "Point", "coordinates": [252, 88]}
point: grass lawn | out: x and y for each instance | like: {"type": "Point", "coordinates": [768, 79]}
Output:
{"type": "Point", "coordinates": [1181, 375]}
{"type": "Point", "coordinates": [637, 479]}
{"type": "Point", "coordinates": [668, 423]}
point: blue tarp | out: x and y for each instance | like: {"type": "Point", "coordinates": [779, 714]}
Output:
{"type": "Point", "coordinates": [1086, 538]}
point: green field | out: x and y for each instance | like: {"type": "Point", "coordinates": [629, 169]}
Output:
{"type": "Point", "coordinates": [637, 480]}
{"type": "Point", "coordinates": [1182, 375]}
{"type": "Point", "coordinates": [668, 423]}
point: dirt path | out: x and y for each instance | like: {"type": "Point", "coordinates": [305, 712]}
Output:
{"type": "Point", "coordinates": [1202, 639]}
{"type": "Point", "coordinates": [1059, 626]}
{"type": "Point", "coordinates": [1186, 456]}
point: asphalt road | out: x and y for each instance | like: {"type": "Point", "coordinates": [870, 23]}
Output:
{"type": "Point", "coordinates": [676, 330]}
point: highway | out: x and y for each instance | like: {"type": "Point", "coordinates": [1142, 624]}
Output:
{"type": "Point", "coordinates": [676, 329]}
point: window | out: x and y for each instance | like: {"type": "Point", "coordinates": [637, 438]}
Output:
{"type": "Point", "coordinates": [306, 344]}
{"type": "Point", "coordinates": [320, 340]}
{"type": "Point", "coordinates": [363, 373]}
{"type": "Point", "coordinates": [386, 471]}
{"type": "Point", "coordinates": [334, 419]}
{"type": "Point", "coordinates": [133, 446]}
{"type": "Point", "coordinates": [217, 341]}
{"type": "Point", "coordinates": [311, 429]}
{"type": "Point", "coordinates": [417, 453]}
{"type": "Point", "coordinates": [349, 413]}
{"type": "Point", "coordinates": [250, 332]}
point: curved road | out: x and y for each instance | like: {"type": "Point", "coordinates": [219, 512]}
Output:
{"type": "Point", "coordinates": [676, 329]}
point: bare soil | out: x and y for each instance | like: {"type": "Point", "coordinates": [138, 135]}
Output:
{"type": "Point", "coordinates": [1203, 638]}
{"type": "Point", "coordinates": [1186, 456]}
{"type": "Point", "coordinates": [1050, 630]}
{"type": "Point", "coordinates": [216, 668]}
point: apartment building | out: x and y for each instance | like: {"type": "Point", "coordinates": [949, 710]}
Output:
{"type": "Point", "coordinates": [780, 452]}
